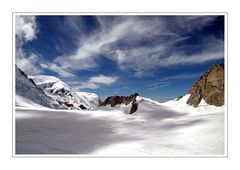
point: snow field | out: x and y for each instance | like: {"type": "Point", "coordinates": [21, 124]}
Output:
{"type": "Point", "coordinates": [156, 129]}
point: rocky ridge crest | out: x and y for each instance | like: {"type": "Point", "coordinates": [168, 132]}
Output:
{"type": "Point", "coordinates": [116, 100]}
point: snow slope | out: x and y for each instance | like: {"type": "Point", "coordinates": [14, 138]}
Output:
{"type": "Point", "coordinates": [28, 94]}
{"type": "Point", "coordinates": [182, 106]}
{"type": "Point", "coordinates": [63, 94]}
{"type": "Point", "coordinates": [156, 129]}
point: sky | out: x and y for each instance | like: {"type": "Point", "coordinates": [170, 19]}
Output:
{"type": "Point", "coordinates": [157, 56]}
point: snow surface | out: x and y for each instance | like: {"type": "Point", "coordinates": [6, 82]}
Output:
{"type": "Point", "coordinates": [182, 106]}
{"type": "Point", "coordinates": [156, 129]}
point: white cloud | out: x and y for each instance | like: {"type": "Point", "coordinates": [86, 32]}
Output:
{"type": "Point", "coordinates": [94, 82]}
{"type": "Point", "coordinates": [102, 79]}
{"type": "Point", "coordinates": [26, 27]}
{"type": "Point", "coordinates": [55, 68]}
{"type": "Point", "coordinates": [28, 64]}
{"type": "Point", "coordinates": [26, 30]}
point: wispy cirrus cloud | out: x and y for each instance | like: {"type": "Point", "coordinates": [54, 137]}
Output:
{"type": "Point", "coordinates": [166, 81]}
{"type": "Point", "coordinates": [157, 87]}
{"type": "Point", "coordinates": [55, 68]}
{"type": "Point", "coordinates": [113, 30]}
{"type": "Point", "coordinates": [122, 40]}
{"type": "Point", "coordinates": [181, 76]}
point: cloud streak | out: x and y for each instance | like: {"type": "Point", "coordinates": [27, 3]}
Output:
{"type": "Point", "coordinates": [157, 85]}
{"type": "Point", "coordinates": [94, 82]}
{"type": "Point", "coordinates": [165, 82]}
{"type": "Point", "coordinates": [181, 76]}
{"type": "Point", "coordinates": [55, 68]}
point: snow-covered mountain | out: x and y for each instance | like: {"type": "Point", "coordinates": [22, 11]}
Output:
{"type": "Point", "coordinates": [29, 94]}
{"type": "Point", "coordinates": [64, 95]}
{"type": "Point", "coordinates": [50, 92]}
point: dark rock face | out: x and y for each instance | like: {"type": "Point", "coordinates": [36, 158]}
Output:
{"type": "Point", "coordinates": [115, 100]}
{"type": "Point", "coordinates": [209, 87]}
{"type": "Point", "coordinates": [134, 106]}
{"type": "Point", "coordinates": [82, 107]}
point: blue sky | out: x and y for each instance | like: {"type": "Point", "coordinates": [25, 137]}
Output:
{"type": "Point", "coordinates": [157, 56]}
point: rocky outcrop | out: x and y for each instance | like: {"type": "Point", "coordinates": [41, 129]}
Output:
{"type": "Point", "coordinates": [210, 87]}
{"type": "Point", "coordinates": [115, 100]}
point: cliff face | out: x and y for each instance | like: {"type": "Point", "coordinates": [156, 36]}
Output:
{"type": "Point", "coordinates": [209, 87]}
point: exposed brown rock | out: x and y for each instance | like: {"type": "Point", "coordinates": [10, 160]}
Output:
{"type": "Point", "coordinates": [115, 100]}
{"type": "Point", "coordinates": [209, 87]}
